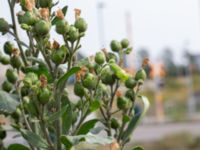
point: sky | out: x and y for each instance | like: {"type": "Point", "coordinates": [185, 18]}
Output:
{"type": "Point", "coordinates": [154, 24]}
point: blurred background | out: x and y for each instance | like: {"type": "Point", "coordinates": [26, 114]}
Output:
{"type": "Point", "coordinates": [168, 33]}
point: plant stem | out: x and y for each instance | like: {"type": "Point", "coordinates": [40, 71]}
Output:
{"type": "Point", "coordinates": [16, 33]}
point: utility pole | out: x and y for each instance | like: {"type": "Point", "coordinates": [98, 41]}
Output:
{"type": "Point", "coordinates": [129, 31]}
{"type": "Point", "coordinates": [100, 7]}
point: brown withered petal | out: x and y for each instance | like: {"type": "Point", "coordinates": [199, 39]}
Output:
{"type": "Point", "coordinates": [30, 4]}
{"type": "Point", "coordinates": [60, 14]}
{"type": "Point", "coordinates": [44, 12]}
{"type": "Point", "coordinates": [77, 13]}
{"type": "Point", "coordinates": [55, 45]}
{"type": "Point", "coordinates": [145, 62]}
{"type": "Point", "coordinates": [15, 52]}
{"type": "Point", "coordinates": [43, 80]}
{"type": "Point", "coordinates": [118, 93]}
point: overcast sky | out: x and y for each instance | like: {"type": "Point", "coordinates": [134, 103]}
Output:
{"type": "Point", "coordinates": [156, 24]}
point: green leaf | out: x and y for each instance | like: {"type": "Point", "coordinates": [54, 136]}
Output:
{"type": "Point", "coordinates": [136, 119]}
{"type": "Point", "coordinates": [34, 139]}
{"type": "Point", "coordinates": [138, 148]}
{"type": "Point", "coordinates": [61, 82]}
{"type": "Point", "coordinates": [70, 141]}
{"type": "Point", "coordinates": [119, 72]}
{"type": "Point", "coordinates": [57, 115]}
{"type": "Point", "coordinates": [67, 118]}
{"type": "Point", "coordinates": [17, 147]}
{"type": "Point", "coordinates": [64, 10]}
{"type": "Point", "coordinates": [87, 126]}
{"type": "Point", "coordinates": [68, 144]}
{"type": "Point", "coordinates": [95, 105]}
{"type": "Point", "coordinates": [8, 103]}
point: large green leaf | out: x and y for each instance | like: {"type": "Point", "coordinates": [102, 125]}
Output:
{"type": "Point", "coordinates": [67, 118]}
{"type": "Point", "coordinates": [95, 105]}
{"type": "Point", "coordinates": [70, 141]}
{"type": "Point", "coordinates": [62, 80]}
{"type": "Point", "coordinates": [34, 139]}
{"type": "Point", "coordinates": [87, 126]}
{"type": "Point", "coordinates": [57, 115]}
{"type": "Point", "coordinates": [17, 147]}
{"type": "Point", "coordinates": [8, 103]}
{"type": "Point", "coordinates": [136, 119]}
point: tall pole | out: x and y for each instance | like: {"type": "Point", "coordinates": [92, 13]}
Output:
{"type": "Point", "coordinates": [129, 31]}
{"type": "Point", "coordinates": [100, 7]}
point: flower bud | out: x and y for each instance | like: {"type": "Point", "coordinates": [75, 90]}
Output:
{"type": "Point", "coordinates": [130, 83]}
{"type": "Point", "coordinates": [73, 34]}
{"type": "Point", "coordinates": [27, 18]}
{"type": "Point", "coordinates": [89, 81]}
{"type": "Point", "coordinates": [16, 61]}
{"type": "Point", "coordinates": [100, 58]}
{"type": "Point", "coordinates": [115, 46]}
{"type": "Point", "coordinates": [42, 27]}
{"type": "Point", "coordinates": [79, 89]}
{"type": "Point", "coordinates": [5, 60]}
{"type": "Point", "coordinates": [62, 27]}
{"type": "Point", "coordinates": [81, 25]}
{"type": "Point", "coordinates": [114, 123]}
{"type": "Point", "coordinates": [44, 95]}
{"type": "Point", "coordinates": [11, 75]}
{"type": "Point", "coordinates": [123, 103]}
{"type": "Point", "coordinates": [141, 75]}
{"type": "Point", "coordinates": [125, 43]}
{"type": "Point", "coordinates": [8, 48]}
{"type": "Point", "coordinates": [4, 26]}
{"type": "Point", "coordinates": [7, 86]}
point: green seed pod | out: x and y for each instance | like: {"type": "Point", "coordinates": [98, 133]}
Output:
{"type": "Point", "coordinates": [128, 50]}
{"type": "Point", "coordinates": [130, 94]}
{"type": "Point", "coordinates": [2, 134]}
{"type": "Point", "coordinates": [11, 75]}
{"type": "Point", "coordinates": [16, 115]}
{"type": "Point", "coordinates": [141, 75]}
{"type": "Point", "coordinates": [27, 18]}
{"type": "Point", "coordinates": [130, 83]}
{"type": "Point", "coordinates": [30, 79]}
{"type": "Point", "coordinates": [62, 27]}
{"type": "Point", "coordinates": [115, 46]}
{"type": "Point", "coordinates": [5, 60]}
{"type": "Point", "coordinates": [100, 58]}
{"type": "Point", "coordinates": [8, 48]}
{"type": "Point", "coordinates": [42, 27]}
{"type": "Point", "coordinates": [73, 34]}
{"type": "Point", "coordinates": [81, 25]}
{"type": "Point", "coordinates": [107, 76]}
{"type": "Point", "coordinates": [4, 26]}
{"type": "Point", "coordinates": [58, 56]}
{"type": "Point", "coordinates": [16, 62]}
{"type": "Point", "coordinates": [7, 86]}
{"type": "Point", "coordinates": [123, 103]}
{"type": "Point", "coordinates": [114, 123]}
{"type": "Point", "coordinates": [89, 81]}
{"type": "Point", "coordinates": [45, 3]}
{"type": "Point", "coordinates": [44, 96]}
{"type": "Point", "coordinates": [24, 91]}
{"type": "Point", "coordinates": [79, 89]}
{"type": "Point", "coordinates": [125, 43]}
{"type": "Point", "coordinates": [125, 119]}
{"type": "Point", "coordinates": [111, 56]}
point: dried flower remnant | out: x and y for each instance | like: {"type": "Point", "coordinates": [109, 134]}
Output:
{"type": "Point", "coordinates": [44, 12]}
{"type": "Point", "coordinates": [77, 13]}
{"type": "Point", "coordinates": [60, 14]}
